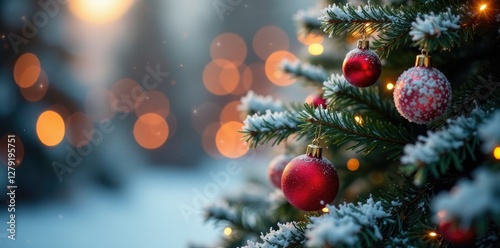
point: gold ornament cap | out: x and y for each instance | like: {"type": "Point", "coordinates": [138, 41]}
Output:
{"type": "Point", "coordinates": [423, 60]}
{"type": "Point", "coordinates": [314, 150]}
{"type": "Point", "coordinates": [364, 44]}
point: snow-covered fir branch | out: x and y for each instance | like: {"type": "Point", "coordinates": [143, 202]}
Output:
{"type": "Point", "coordinates": [311, 73]}
{"type": "Point", "coordinates": [489, 132]}
{"type": "Point", "coordinates": [433, 25]}
{"type": "Point", "coordinates": [220, 210]}
{"type": "Point", "coordinates": [428, 149]}
{"type": "Point", "coordinates": [333, 84]}
{"type": "Point", "coordinates": [343, 224]}
{"type": "Point", "coordinates": [259, 128]}
{"type": "Point", "coordinates": [252, 103]}
{"type": "Point", "coordinates": [288, 234]}
{"type": "Point", "coordinates": [470, 199]}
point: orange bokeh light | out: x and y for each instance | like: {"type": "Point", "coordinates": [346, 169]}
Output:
{"type": "Point", "coordinates": [229, 141]}
{"type": "Point", "coordinates": [27, 70]}
{"type": "Point", "coordinates": [273, 68]}
{"type": "Point", "coordinates": [99, 11]}
{"type": "Point", "coordinates": [79, 129]}
{"type": "Point", "coordinates": [269, 39]}
{"type": "Point", "coordinates": [246, 78]}
{"type": "Point", "coordinates": [229, 46]}
{"type": "Point", "coordinates": [230, 112]}
{"type": "Point", "coordinates": [11, 144]}
{"type": "Point", "coordinates": [221, 77]}
{"type": "Point", "coordinates": [50, 128]}
{"type": "Point", "coordinates": [151, 131]}
{"type": "Point", "coordinates": [38, 90]}
{"type": "Point", "coordinates": [353, 164]}
{"type": "Point", "coordinates": [154, 102]}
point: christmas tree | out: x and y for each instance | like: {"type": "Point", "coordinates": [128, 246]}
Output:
{"type": "Point", "coordinates": [404, 133]}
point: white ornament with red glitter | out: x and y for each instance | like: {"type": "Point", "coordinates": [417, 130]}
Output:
{"type": "Point", "coordinates": [422, 93]}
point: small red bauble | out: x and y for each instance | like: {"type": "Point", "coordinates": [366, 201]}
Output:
{"type": "Point", "coordinates": [310, 182]}
{"type": "Point", "coordinates": [455, 234]}
{"type": "Point", "coordinates": [422, 93]}
{"type": "Point", "coordinates": [276, 167]}
{"type": "Point", "coordinates": [316, 100]}
{"type": "Point", "coordinates": [361, 66]}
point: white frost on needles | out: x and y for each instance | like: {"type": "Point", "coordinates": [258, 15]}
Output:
{"type": "Point", "coordinates": [310, 72]}
{"type": "Point", "coordinates": [274, 120]}
{"type": "Point", "coordinates": [432, 25]}
{"type": "Point", "coordinates": [343, 223]}
{"type": "Point", "coordinates": [287, 235]}
{"type": "Point", "coordinates": [428, 148]}
{"type": "Point", "coordinates": [470, 199]}
{"type": "Point", "coordinates": [489, 132]}
{"type": "Point", "coordinates": [333, 85]}
{"type": "Point", "coordinates": [253, 103]}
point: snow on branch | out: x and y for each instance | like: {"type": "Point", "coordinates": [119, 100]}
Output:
{"type": "Point", "coordinates": [220, 210]}
{"type": "Point", "coordinates": [343, 224]}
{"type": "Point", "coordinates": [307, 21]}
{"type": "Point", "coordinates": [489, 132]}
{"type": "Point", "coordinates": [470, 199]}
{"type": "Point", "coordinates": [271, 125]}
{"type": "Point", "coordinates": [433, 25]}
{"type": "Point", "coordinates": [311, 73]}
{"type": "Point", "coordinates": [428, 149]}
{"type": "Point", "coordinates": [287, 235]}
{"type": "Point", "coordinates": [253, 103]}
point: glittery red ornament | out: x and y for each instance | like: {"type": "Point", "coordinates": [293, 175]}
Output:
{"type": "Point", "coordinates": [362, 66]}
{"type": "Point", "coordinates": [276, 167]}
{"type": "Point", "coordinates": [310, 181]}
{"type": "Point", "coordinates": [455, 234]}
{"type": "Point", "coordinates": [422, 93]}
{"type": "Point", "coordinates": [316, 99]}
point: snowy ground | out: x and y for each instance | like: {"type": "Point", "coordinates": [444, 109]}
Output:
{"type": "Point", "coordinates": [145, 213]}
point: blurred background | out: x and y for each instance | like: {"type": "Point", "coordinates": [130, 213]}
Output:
{"type": "Point", "coordinates": [124, 113]}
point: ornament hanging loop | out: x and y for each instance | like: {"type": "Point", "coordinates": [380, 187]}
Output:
{"type": "Point", "coordinates": [424, 59]}
{"type": "Point", "coordinates": [314, 149]}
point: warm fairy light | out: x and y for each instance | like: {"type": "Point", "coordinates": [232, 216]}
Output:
{"type": "Point", "coordinates": [27, 69]}
{"type": "Point", "coordinates": [358, 119]}
{"type": "Point", "coordinates": [128, 94]}
{"type": "Point", "coordinates": [273, 68]}
{"type": "Point", "coordinates": [230, 112]}
{"type": "Point", "coordinates": [50, 128]}
{"type": "Point", "coordinates": [246, 79]}
{"type": "Point", "coordinates": [99, 11]}
{"type": "Point", "coordinates": [38, 90]}
{"type": "Point", "coordinates": [353, 164]}
{"type": "Point", "coordinates": [496, 152]}
{"type": "Point", "coordinates": [228, 231]}
{"type": "Point", "coordinates": [390, 86]}
{"type": "Point", "coordinates": [221, 77]}
{"type": "Point", "coordinates": [229, 46]}
{"type": "Point", "coordinates": [483, 7]}
{"type": "Point", "coordinates": [433, 234]}
{"type": "Point", "coordinates": [151, 131]}
{"type": "Point", "coordinates": [315, 49]}
{"type": "Point", "coordinates": [269, 39]}
{"type": "Point", "coordinates": [325, 210]}
{"type": "Point", "coordinates": [229, 141]}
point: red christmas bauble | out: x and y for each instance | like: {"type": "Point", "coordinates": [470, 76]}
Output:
{"type": "Point", "coordinates": [309, 182]}
{"type": "Point", "coordinates": [455, 234]}
{"type": "Point", "coordinates": [361, 67]}
{"type": "Point", "coordinates": [276, 167]}
{"type": "Point", "coordinates": [422, 94]}
{"type": "Point", "coordinates": [316, 100]}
